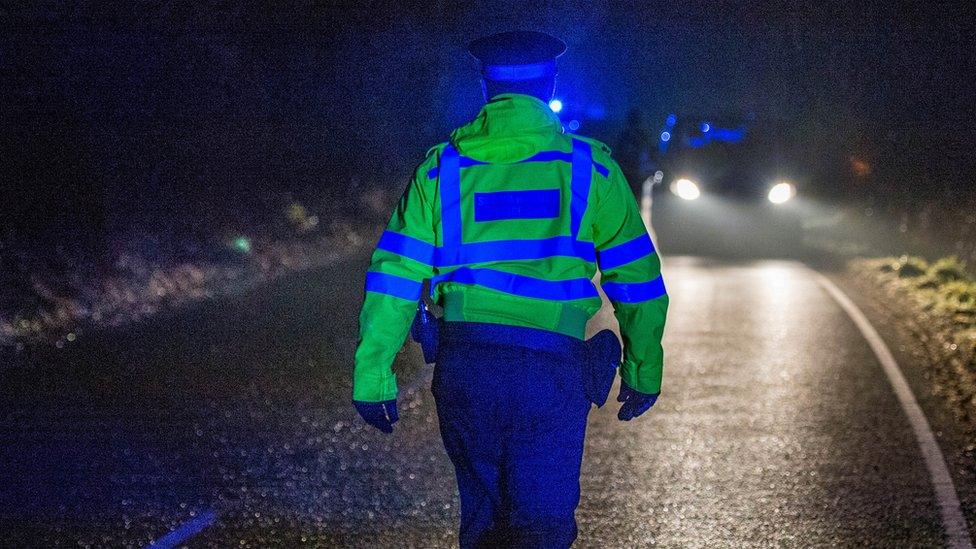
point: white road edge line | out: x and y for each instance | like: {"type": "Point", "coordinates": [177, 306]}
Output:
{"type": "Point", "coordinates": [957, 533]}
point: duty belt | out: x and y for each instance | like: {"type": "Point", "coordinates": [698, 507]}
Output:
{"type": "Point", "coordinates": [600, 353]}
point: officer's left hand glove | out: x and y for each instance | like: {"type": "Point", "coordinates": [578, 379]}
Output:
{"type": "Point", "coordinates": [381, 415]}
{"type": "Point", "coordinates": [635, 402]}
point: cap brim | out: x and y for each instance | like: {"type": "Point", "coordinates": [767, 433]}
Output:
{"type": "Point", "coordinates": [516, 48]}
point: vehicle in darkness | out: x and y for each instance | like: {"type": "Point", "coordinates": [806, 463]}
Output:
{"type": "Point", "coordinates": [726, 188]}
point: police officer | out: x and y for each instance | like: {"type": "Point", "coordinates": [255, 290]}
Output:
{"type": "Point", "coordinates": [510, 220]}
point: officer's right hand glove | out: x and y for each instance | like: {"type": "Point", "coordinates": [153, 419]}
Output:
{"type": "Point", "coordinates": [381, 415]}
{"type": "Point", "coordinates": [635, 402]}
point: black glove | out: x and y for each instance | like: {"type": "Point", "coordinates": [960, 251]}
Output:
{"type": "Point", "coordinates": [635, 402]}
{"type": "Point", "coordinates": [381, 415]}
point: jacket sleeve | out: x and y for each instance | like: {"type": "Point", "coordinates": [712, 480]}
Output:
{"type": "Point", "coordinates": [631, 277]}
{"type": "Point", "coordinates": [399, 265]}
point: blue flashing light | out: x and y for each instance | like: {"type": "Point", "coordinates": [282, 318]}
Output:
{"type": "Point", "coordinates": [718, 134]}
{"type": "Point", "coordinates": [672, 120]}
{"type": "Point", "coordinates": [556, 105]}
{"type": "Point", "coordinates": [730, 135]}
{"type": "Point", "coordinates": [665, 136]}
{"type": "Point", "coordinates": [705, 126]}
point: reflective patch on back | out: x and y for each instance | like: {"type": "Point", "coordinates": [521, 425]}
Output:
{"type": "Point", "coordinates": [497, 206]}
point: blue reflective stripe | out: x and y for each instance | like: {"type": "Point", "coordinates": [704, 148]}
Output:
{"type": "Point", "coordinates": [544, 156]}
{"type": "Point", "coordinates": [507, 73]}
{"type": "Point", "coordinates": [483, 252]}
{"type": "Point", "coordinates": [580, 184]}
{"type": "Point", "coordinates": [560, 290]}
{"type": "Point", "coordinates": [514, 250]}
{"type": "Point", "coordinates": [450, 183]}
{"type": "Point", "coordinates": [407, 246]}
{"type": "Point", "coordinates": [637, 292]}
{"type": "Point", "coordinates": [553, 156]}
{"type": "Point", "coordinates": [622, 254]}
{"type": "Point", "coordinates": [463, 162]}
{"type": "Point", "coordinates": [396, 286]}
{"type": "Point", "coordinates": [534, 204]}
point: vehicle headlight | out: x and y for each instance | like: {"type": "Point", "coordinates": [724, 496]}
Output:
{"type": "Point", "coordinates": [781, 192]}
{"type": "Point", "coordinates": [686, 189]}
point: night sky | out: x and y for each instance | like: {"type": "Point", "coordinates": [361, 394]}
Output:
{"type": "Point", "coordinates": [118, 115]}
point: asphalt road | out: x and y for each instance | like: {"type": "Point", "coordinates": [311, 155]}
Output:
{"type": "Point", "coordinates": [777, 428]}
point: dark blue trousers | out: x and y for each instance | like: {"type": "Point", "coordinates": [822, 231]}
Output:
{"type": "Point", "coordinates": [513, 420]}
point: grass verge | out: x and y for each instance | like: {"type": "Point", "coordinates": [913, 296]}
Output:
{"type": "Point", "coordinates": [937, 303]}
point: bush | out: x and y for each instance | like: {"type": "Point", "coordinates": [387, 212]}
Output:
{"type": "Point", "coordinates": [909, 266]}
{"type": "Point", "coordinates": [948, 269]}
{"type": "Point", "coordinates": [959, 294]}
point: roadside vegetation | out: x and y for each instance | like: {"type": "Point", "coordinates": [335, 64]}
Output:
{"type": "Point", "coordinates": [943, 286]}
{"type": "Point", "coordinates": [936, 301]}
{"type": "Point", "coordinates": [52, 296]}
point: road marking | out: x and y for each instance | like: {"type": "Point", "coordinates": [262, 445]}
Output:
{"type": "Point", "coordinates": [957, 532]}
{"type": "Point", "coordinates": [185, 531]}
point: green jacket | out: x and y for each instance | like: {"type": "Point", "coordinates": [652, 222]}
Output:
{"type": "Point", "coordinates": [510, 221]}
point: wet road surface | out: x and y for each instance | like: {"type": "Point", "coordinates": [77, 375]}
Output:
{"type": "Point", "coordinates": [776, 428]}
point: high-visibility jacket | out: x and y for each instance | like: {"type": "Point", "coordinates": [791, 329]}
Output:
{"type": "Point", "coordinates": [510, 221]}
